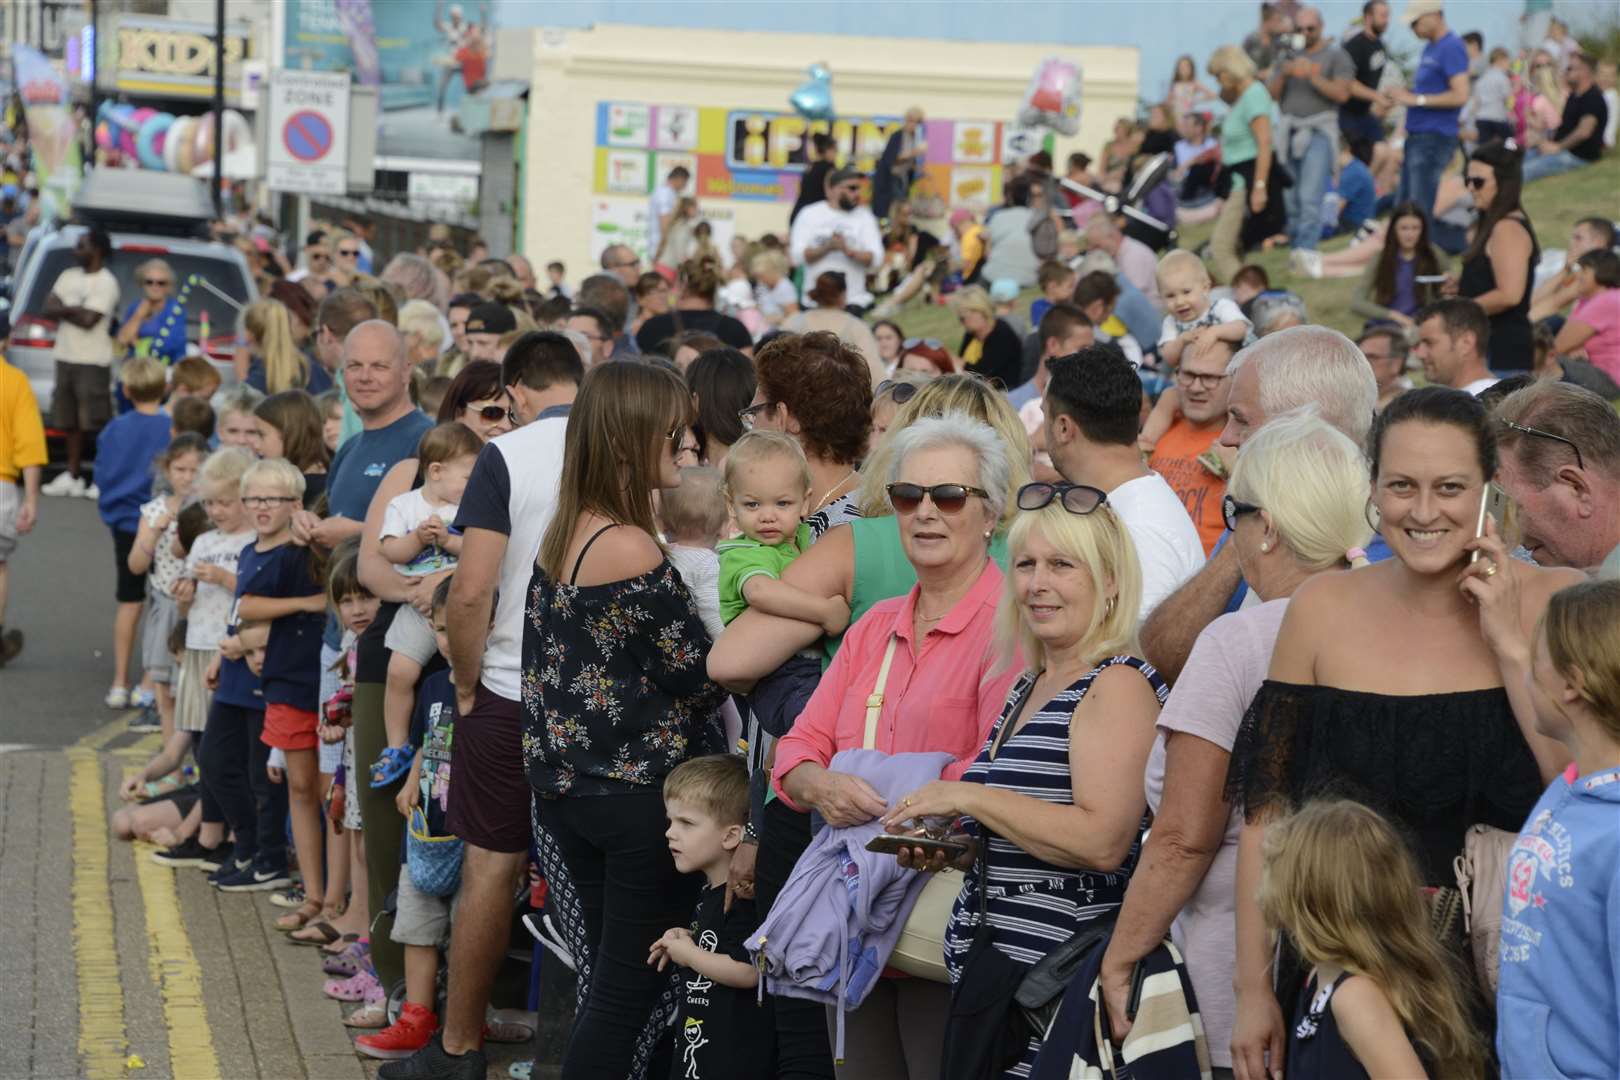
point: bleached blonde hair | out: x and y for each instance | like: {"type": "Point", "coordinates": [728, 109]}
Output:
{"type": "Point", "coordinates": [1312, 481]}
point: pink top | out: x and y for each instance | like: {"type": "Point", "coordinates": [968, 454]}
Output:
{"type": "Point", "coordinates": [943, 697]}
{"type": "Point", "coordinates": [1602, 313]}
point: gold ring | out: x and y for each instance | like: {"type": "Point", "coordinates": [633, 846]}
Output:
{"type": "Point", "coordinates": [905, 802]}
{"type": "Point", "coordinates": [1490, 570]}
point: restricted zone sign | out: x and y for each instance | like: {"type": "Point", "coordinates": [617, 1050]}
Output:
{"type": "Point", "coordinates": [308, 129]}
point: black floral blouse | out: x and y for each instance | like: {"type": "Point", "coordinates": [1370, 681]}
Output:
{"type": "Point", "coordinates": [615, 684]}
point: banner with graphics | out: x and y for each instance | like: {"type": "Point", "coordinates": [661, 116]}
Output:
{"type": "Point", "coordinates": [51, 130]}
{"type": "Point", "coordinates": [423, 56]}
{"type": "Point", "coordinates": [759, 155]}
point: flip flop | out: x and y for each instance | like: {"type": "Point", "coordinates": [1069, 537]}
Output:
{"type": "Point", "coordinates": [325, 933]}
{"type": "Point", "coordinates": [340, 946]}
{"type": "Point", "coordinates": [300, 917]}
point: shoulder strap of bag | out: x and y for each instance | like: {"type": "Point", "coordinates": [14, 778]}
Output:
{"type": "Point", "coordinates": [874, 700]}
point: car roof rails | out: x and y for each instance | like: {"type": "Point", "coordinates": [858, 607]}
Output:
{"type": "Point", "coordinates": [136, 200]}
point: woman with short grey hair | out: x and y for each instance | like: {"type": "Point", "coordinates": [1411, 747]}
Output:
{"type": "Point", "coordinates": [928, 654]}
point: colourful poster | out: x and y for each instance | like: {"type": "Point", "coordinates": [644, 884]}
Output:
{"type": "Point", "coordinates": [50, 128]}
{"type": "Point", "coordinates": [759, 155]}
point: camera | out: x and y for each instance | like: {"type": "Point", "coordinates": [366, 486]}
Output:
{"type": "Point", "coordinates": [1288, 46]}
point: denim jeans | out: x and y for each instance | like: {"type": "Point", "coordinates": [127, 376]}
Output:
{"type": "Point", "coordinates": [1539, 166]}
{"type": "Point", "coordinates": [1427, 155]}
{"type": "Point", "coordinates": [1303, 201]}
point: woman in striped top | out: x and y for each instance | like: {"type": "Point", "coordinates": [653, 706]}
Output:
{"type": "Point", "coordinates": [1056, 791]}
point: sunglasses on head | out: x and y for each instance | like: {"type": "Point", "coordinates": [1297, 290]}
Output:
{"type": "Point", "coordinates": [922, 342]}
{"type": "Point", "coordinates": [949, 498]}
{"type": "Point", "coordinates": [899, 392]}
{"type": "Point", "coordinates": [1075, 498]}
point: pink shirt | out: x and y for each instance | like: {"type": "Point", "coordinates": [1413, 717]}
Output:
{"type": "Point", "coordinates": [1602, 313]}
{"type": "Point", "coordinates": [944, 696]}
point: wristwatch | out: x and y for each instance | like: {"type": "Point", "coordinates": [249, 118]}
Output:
{"type": "Point", "coordinates": [750, 836]}
{"type": "Point", "coordinates": [1423, 101]}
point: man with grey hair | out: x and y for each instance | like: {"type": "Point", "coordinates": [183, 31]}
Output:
{"type": "Point", "coordinates": [522, 269]}
{"type": "Point", "coordinates": [417, 279]}
{"type": "Point", "coordinates": [1279, 312]}
{"type": "Point", "coordinates": [621, 262]}
{"type": "Point", "coordinates": [1134, 259]}
{"type": "Point", "coordinates": [1301, 367]}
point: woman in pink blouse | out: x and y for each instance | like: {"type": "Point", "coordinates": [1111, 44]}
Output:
{"type": "Point", "coordinates": [1594, 325]}
{"type": "Point", "coordinates": [945, 686]}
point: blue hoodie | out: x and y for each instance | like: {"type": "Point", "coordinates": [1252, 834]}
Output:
{"type": "Point", "coordinates": [125, 451]}
{"type": "Point", "coordinates": [1558, 1003]}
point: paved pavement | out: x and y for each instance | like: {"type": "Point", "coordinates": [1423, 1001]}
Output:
{"type": "Point", "coordinates": [112, 966]}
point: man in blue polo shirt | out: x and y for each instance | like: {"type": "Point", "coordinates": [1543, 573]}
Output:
{"type": "Point", "coordinates": [1439, 91]}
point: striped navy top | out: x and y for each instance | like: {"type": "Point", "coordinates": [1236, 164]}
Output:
{"type": "Point", "coordinates": [1032, 905]}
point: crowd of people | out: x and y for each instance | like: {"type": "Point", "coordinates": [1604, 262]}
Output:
{"type": "Point", "coordinates": [1155, 681]}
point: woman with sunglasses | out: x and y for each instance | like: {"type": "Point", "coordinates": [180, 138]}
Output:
{"type": "Point", "coordinates": [615, 696]}
{"type": "Point", "coordinates": [1498, 269]}
{"type": "Point", "coordinates": [476, 398]}
{"type": "Point", "coordinates": [928, 653]}
{"type": "Point", "coordinates": [1294, 510]}
{"type": "Point", "coordinates": [155, 324]}
{"type": "Point", "coordinates": [1052, 806]}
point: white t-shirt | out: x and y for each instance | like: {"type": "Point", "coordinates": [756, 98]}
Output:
{"type": "Point", "coordinates": [211, 608]}
{"type": "Point", "coordinates": [513, 491]}
{"type": "Point", "coordinates": [1167, 541]}
{"type": "Point", "coordinates": [819, 221]}
{"type": "Point", "coordinates": [404, 513]}
{"type": "Point", "coordinates": [700, 570]}
{"type": "Point", "coordinates": [663, 202]}
{"type": "Point", "coordinates": [1481, 384]}
{"type": "Point", "coordinates": [1227, 664]}
{"type": "Point", "coordinates": [1224, 310]}
{"type": "Point", "coordinates": [773, 301]}
{"type": "Point", "coordinates": [99, 293]}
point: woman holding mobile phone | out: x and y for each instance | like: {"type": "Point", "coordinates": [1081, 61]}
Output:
{"type": "Point", "coordinates": [1400, 684]}
{"type": "Point", "coordinates": [1053, 804]}
{"type": "Point", "coordinates": [1405, 276]}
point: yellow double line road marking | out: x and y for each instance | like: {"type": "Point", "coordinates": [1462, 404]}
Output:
{"type": "Point", "coordinates": [173, 967]}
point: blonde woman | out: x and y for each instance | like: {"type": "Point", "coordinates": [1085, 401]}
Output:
{"type": "Point", "coordinates": [1051, 807]}
{"type": "Point", "coordinates": [424, 332]}
{"type": "Point", "coordinates": [1294, 505]}
{"type": "Point", "coordinates": [1250, 213]}
{"type": "Point", "coordinates": [990, 347]}
{"type": "Point", "coordinates": [276, 364]}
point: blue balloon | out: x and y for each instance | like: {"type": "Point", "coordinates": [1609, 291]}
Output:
{"type": "Point", "coordinates": [146, 148]}
{"type": "Point", "coordinates": [813, 100]}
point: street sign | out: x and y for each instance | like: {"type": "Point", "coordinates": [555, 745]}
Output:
{"type": "Point", "coordinates": [307, 125]}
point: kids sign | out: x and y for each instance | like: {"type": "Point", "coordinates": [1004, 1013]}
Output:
{"type": "Point", "coordinates": [308, 122]}
{"type": "Point", "coordinates": [759, 156]}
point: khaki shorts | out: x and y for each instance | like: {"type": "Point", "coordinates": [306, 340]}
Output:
{"type": "Point", "coordinates": [82, 400]}
{"type": "Point", "coordinates": [421, 919]}
{"type": "Point", "coordinates": [10, 505]}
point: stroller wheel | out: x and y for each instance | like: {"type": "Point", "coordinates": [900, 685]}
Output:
{"type": "Point", "coordinates": [396, 1001]}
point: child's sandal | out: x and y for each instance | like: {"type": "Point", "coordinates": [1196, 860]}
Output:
{"type": "Point", "coordinates": [391, 765]}
{"type": "Point", "coordinates": [300, 918]}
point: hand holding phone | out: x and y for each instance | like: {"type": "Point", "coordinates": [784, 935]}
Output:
{"type": "Point", "coordinates": [1493, 504]}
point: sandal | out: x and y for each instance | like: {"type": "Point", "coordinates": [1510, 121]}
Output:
{"type": "Point", "coordinates": [319, 932]}
{"type": "Point", "coordinates": [391, 765]}
{"type": "Point", "coordinates": [300, 918]}
{"type": "Point", "coordinates": [340, 946]}
{"type": "Point", "coordinates": [508, 1025]}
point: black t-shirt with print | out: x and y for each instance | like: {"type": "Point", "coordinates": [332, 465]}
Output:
{"type": "Point", "coordinates": [721, 1032]}
{"type": "Point", "coordinates": [1369, 56]}
{"type": "Point", "coordinates": [1590, 104]}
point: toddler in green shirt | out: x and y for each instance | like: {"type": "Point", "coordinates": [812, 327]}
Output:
{"type": "Point", "coordinates": [767, 484]}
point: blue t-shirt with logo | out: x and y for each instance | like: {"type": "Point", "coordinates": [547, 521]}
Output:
{"type": "Point", "coordinates": [358, 469]}
{"type": "Point", "coordinates": [1442, 61]}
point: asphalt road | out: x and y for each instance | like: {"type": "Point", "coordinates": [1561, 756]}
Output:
{"type": "Point", "coordinates": [61, 585]}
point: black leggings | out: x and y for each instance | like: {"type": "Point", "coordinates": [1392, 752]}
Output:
{"type": "Point", "coordinates": [233, 760]}
{"type": "Point", "coordinates": [802, 1050]}
{"type": "Point", "coordinates": [629, 894]}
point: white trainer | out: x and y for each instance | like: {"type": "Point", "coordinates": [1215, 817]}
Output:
{"type": "Point", "coordinates": [65, 484]}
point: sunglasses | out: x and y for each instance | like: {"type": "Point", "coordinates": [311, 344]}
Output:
{"type": "Point", "coordinates": [1232, 509]}
{"type": "Point", "coordinates": [1538, 433]}
{"type": "Point", "coordinates": [899, 392]}
{"type": "Point", "coordinates": [924, 342]}
{"type": "Point", "coordinates": [349, 253]}
{"type": "Point", "coordinates": [948, 498]}
{"type": "Point", "coordinates": [163, 282]}
{"type": "Point", "coordinates": [674, 435]}
{"type": "Point", "coordinates": [1474, 183]}
{"type": "Point", "coordinates": [1075, 498]}
{"type": "Point", "coordinates": [494, 413]}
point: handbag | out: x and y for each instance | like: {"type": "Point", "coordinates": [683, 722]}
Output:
{"type": "Point", "coordinates": [1041, 992]}
{"type": "Point", "coordinates": [920, 951]}
{"type": "Point", "coordinates": [986, 1032]}
{"type": "Point", "coordinates": [1481, 872]}
{"type": "Point", "coordinates": [434, 862]}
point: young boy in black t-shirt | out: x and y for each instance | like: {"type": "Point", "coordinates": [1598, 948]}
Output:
{"type": "Point", "coordinates": [721, 1030]}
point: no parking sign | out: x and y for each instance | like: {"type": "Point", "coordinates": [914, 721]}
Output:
{"type": "Point", "coordinates": [308, 129]}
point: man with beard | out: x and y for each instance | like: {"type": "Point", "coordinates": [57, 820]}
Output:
{"type": "Point", "coordinates": [839, 235]}
{"type": "Point", "coordinates": [82, 302]}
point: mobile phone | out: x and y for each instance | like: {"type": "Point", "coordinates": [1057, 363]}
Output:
{"type": "Point", "coordinates": [1493, 504]}
{"type": "Point", "coordinates": [891, 844]}
{"type": "Point", "coordinates": [1429, 279]}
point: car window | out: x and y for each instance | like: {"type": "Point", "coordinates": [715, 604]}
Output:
{"type": "Point", "coordinates": [223, 274]}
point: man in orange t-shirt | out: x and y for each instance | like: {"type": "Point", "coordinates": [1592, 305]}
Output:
{"type": "Point", "coordinates": [1188, 456]}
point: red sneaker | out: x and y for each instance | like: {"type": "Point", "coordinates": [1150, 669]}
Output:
{"type": "Point", "coordinates": [411, 1032]}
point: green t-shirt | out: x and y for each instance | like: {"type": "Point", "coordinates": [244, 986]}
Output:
{"type": "Point", "coordinates": [882, 570]}
{"type": "Point", "coordinates": [1237, 137]}
{"type": "Point", "coordinates": [742, 559]}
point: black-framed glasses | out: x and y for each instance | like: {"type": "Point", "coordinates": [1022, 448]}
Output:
{"type": "Point", "coordinates": [949, 498]}
{"type": "Point", "coordinates": [1191, 379]}
{"type": "Point", "coordinates": [1075, 498]}
{"type": "Point", "coordinates": [899, 392]}
{"type": "Point", "coordinates": [1232, 509]}
{"type": "Point", "coordinates": [1474, 183]}
{"type": "Point", "coordinates": [1538, 433]}
{"type": "Point", "coordinates": [265, 502]}
{"type": "Point", "coordinates": [921, 342]}
{"type": "Point", "coordinates": [750, 415]}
